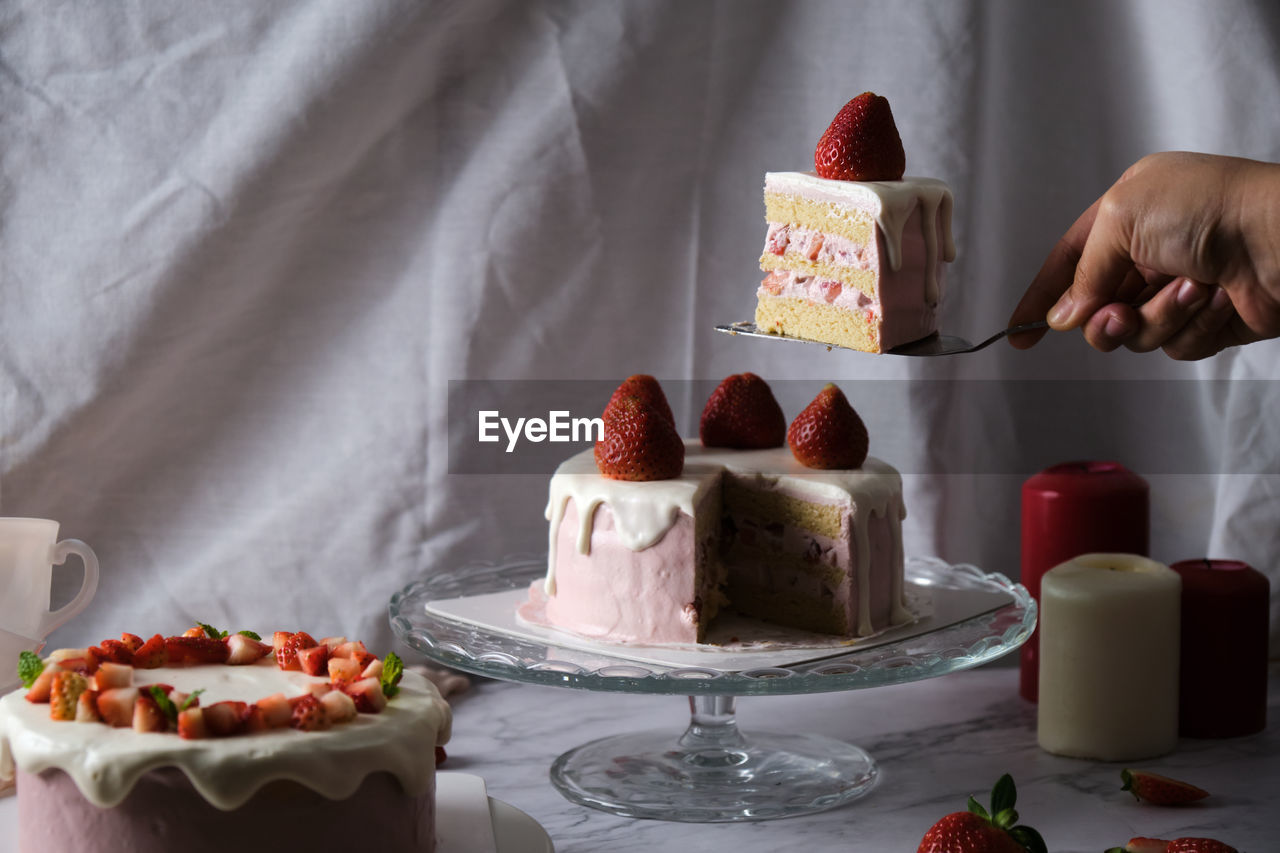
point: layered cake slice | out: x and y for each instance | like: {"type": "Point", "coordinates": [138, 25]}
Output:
{"type": "Point", "coordinates": [198, 742]}
{"type": "Point", "coordinates": [808, 536]}
{"type": "Point", "coordinates": [854, 251]}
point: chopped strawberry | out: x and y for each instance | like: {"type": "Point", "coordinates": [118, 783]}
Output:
{"type": "Point", "coordinates": [774, 282]}
{"type": "Point", "coordinates": [1142, 845]}
{"type": "Point", "coordinates": [196, 650]}
{"type": "Point", "coordinates": [243, 650]}
{"type": "Point", "coordinates": [116, 706]}
{"type": "Point", "coordinates": [275, 710]}
{"type": "Point", "coordinates": [151, 654]}
{"type": "Point", "coordinates": [87, 707]}
{"type": "Point", "coordinates": [314, 661]}
{"type": "Point", "coordinates": [287, 650]}
{"type": "Point", "coordinates": [112, 675]}
{"type": "Point", "coordinates": [133, 641]}
{"type": "Point", "coordinates": [332, 642]}
{"type": "Point", "coordinates": [645, 388]}
{"type": "Point", "coordinates": [338, 707]}
{"type": "Point", "coordinates": [226, 718]}
{"type": "Point", "coordinates": [254, 720]}
{"type": "Point", "coordinates": [368, 695]}
{"type": "Point", "coordinates": [638, 443]}
{"type": "Point", "coordinates": [980, 831]}
{"type": "Point", "coordinates": [343, 670]}
{"type": "Point", "coordinates": [115, 651]}
{"type": "Point", "coordinates": [191, 725]}
{"type": "Point", "coordinates": [64, 692]}
{"type": "Point", "coordinates": [197, 631]}
{"type": "Point", "coordinates": [42, 687]}
{"type": "Point", "coordinates": [742, 413]}
{"type": "Point", "coordinates": [373, 670]}
{"type": "Point", "coordinates": [862, 143]}
{"type": "Point", "coordinates": [309, 714]}
{"type": "Point", "coordinates": [1199, 845]}
{"type": "Point", "coordinates": [147, 716]}
{"type": "Point", "coordinates": [356, 651]}
{"type": "Point", "coordinates": [1160, 790]}
{"type": "Point", "coordinates": [84, 661]}
{"type": "Point", "coordinates": [828, 433]}
{"type": "Point", "coordinates": [279, 638]}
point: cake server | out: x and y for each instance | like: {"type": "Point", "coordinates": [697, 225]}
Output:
{"type": "Point", "coordinates": [935, 344]}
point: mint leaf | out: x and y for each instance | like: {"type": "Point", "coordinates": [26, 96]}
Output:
{"type": "Point", "coordinates": [252, 635]}
{"type": "Point", "coordinates": [164, 702]}
{"type": "Point", "coordinates": [190, 700]}
{"type": "Point", "coordinates": [29, 667]}
{"type": "Point", "coordinates": [392, 669]}
{"type": "Point", "coordinates": [213, 632]}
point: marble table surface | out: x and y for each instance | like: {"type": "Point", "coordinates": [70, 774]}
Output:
{"type": "Point", "coordinates": [936, 741]}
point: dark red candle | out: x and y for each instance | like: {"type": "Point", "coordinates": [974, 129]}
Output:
{"type": "Point", "coordinates": [1223, 677]}
{"type": "Point", "coordinates": [1071, 509]}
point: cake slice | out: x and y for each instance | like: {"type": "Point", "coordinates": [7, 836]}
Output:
{"type": "Point", "coordinates": [854, 251]}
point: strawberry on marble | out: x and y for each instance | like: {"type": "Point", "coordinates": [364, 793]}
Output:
{"type": "Point", "coordinates": [1159, 790]}
{"type": "Point", "coordinates": [980, 831]}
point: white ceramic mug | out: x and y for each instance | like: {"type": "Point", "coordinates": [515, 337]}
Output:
{"type": "Point", "coordinates": [29, 549]}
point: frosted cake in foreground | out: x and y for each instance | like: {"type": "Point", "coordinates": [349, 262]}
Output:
{"type": "Point", "coordinates": [854, 251]}
{"type": "Point", "coordinates": [191, 748]}
{"type": "Point", "coordinates": [759, 528]}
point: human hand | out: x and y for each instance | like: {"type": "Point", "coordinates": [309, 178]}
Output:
{"type": "Point", "coordinates": [1182, 253]}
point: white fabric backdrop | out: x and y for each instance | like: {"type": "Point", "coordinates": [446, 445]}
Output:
{"type": "Point", "coordinates": [244, 247]}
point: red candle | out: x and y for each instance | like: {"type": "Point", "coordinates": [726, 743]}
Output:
{"type": "Point", "coordinates": [1223, 677]}
{"type": "Point", "coordinates": [1071, 509]}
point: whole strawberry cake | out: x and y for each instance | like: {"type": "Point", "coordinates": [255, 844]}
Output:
{"type": "Point", "coordinates": [651, 535]}
{"type": "Point", "coordinates": [854, 250]}
{"type": "Point", "coordinates": [210, 741]}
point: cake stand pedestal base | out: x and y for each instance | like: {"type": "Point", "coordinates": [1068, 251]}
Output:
{"type": "Point", "coordinates": [713, 773]}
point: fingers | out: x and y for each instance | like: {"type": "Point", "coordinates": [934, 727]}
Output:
{"type": "Point", "coordinates": [1168, 312]}
{"type": "Point", "coordinates": [1208, 331]}
{"type": "Point", "coordinates": [1111, 325]}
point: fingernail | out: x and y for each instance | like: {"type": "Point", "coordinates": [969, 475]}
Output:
{"type": "Point", "coordinates": [1189, 293]}
{"type": "Point", "coordinates": [1220, 299]}
{"type": "Point", "coordinates": [1115, 328]}
{"type": "Point", "coordinates": [1061, 312]}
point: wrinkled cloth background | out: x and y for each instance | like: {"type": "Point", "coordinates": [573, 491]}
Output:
{"type": "Point", "coordinates": [245, 246]}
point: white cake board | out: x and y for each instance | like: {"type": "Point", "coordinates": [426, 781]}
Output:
{"type": "Point", "coordinates": [770, 646]}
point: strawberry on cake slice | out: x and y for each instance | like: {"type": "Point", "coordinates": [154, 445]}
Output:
{"type": "Point", "coordinates": [651, 536]}
{"type": "Point", "coordinates": [210, 741]}
{"type": "Point", "coordinates": [854, 250]}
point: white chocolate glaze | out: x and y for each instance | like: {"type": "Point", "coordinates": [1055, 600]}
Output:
{"type": "Point", "coordinates": [105, 762]}
{"type": "Point", "coordinates": [643, 512]}
{"type": "Point", "coordinates": [890, 203]}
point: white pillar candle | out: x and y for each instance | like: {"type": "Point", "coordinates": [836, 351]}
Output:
{"type": "Point", "coordinates": [1109, 644]}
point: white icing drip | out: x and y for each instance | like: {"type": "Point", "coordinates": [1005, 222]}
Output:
{"type": "Point", "coordinates": [897, 592]}
{"type": "Point", "coordinates": [891, 204]}
{"type": "Point", "coordinates": [105, 762]}
{"type": "Point", "coordinates": [645, 511]}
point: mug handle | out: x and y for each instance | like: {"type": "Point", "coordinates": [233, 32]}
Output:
{"type": "Point", "coordinates": [58, 555]}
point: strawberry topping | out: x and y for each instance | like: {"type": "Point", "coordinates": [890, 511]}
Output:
{"type": "Point", "coordinates": [742, 413]}
{"type": "Point", "coordinates": [828, 433]}
{"type": "Point", "coordinates": [647, 389]}
{"type": "Point", "coordinates": [862, 143]}
{"type": "Point", "coordinates": [638, 443]}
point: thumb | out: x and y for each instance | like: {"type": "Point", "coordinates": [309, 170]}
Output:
{"type": "Point", "coordinates": [1104, 262]}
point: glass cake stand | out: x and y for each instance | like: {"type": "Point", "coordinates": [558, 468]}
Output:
{"type": "Point", "coordinates": [712, 772]}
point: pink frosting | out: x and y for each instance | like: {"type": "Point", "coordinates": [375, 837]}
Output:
{"type": "Point", "coordinates": [595, 589]}
{"type": "Point", "coordinates": [163, 813]}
